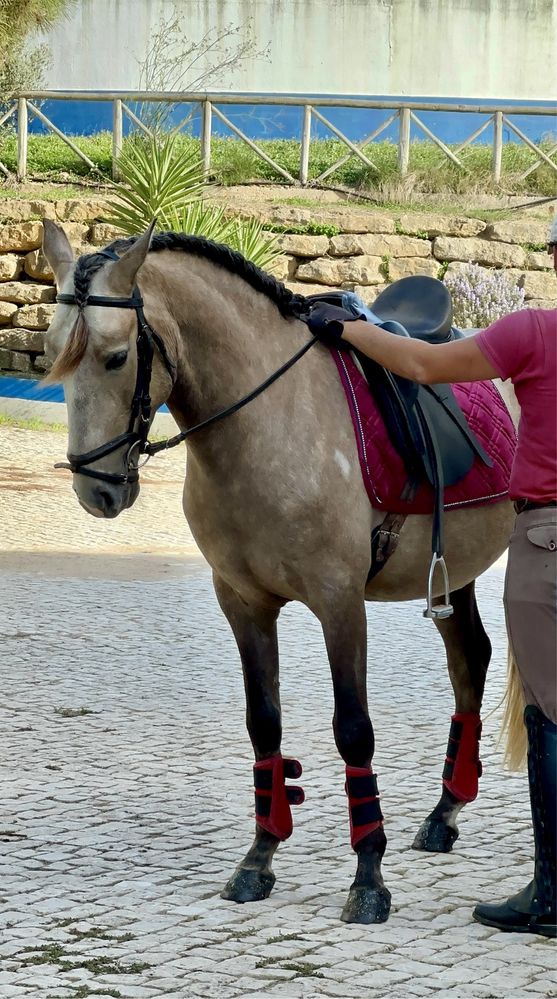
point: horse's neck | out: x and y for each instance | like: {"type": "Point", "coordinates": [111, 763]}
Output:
{"type": "Point", "coordinates": [230, 337]}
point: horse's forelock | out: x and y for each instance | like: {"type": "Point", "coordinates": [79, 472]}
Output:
{"type": "Point", "coordinates": [76, 344]}
{"type": "Point", "coordinates": [72, 352]}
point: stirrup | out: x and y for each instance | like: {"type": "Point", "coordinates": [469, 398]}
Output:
{"type": "Point", "coordinates": [439, 611]}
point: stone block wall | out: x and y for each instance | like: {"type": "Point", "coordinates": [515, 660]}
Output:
{"type": "Point", "coordinates": [363, 251]}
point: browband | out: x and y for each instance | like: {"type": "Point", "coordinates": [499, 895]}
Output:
{"type": "Point", "coordinates": [114, 303]}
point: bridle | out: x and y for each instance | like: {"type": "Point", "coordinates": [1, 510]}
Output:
{"type": "Point", "coordinates": [136, 436]}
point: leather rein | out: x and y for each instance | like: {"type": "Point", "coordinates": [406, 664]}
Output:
{"type": "Point", "coordinates": [136, 436]}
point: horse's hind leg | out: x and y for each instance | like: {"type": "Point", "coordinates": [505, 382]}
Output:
{"type": "Point", "coordinates": [255, 632]}
{"type": "Point", "coordinates": [468, 654]}
{"type": "Point", "coordinates": [344, 628]}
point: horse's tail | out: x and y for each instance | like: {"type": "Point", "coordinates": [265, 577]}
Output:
{"type": "Point", "coordinates": [513, 729]}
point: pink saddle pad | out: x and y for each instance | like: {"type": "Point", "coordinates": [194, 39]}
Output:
{"type": "Point", "coordinates": [383, 469]}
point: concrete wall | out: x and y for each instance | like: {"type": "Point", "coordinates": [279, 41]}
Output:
{"type": "Point", "coordinates": [450, 48]}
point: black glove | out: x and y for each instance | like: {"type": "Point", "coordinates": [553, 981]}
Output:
{"type": "Point", "coordinates": [326, 322]}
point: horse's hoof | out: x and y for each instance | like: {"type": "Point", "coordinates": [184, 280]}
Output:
{"type": "Point", "coordinates": [367, 905]}
{"type": "Point", "coordinates": [248, 885]}
{"type": "Point", "coordinates": [435, 836]}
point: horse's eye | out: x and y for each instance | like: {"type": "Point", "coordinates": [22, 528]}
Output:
{"type": "Point", "coordinates": [117, 360]}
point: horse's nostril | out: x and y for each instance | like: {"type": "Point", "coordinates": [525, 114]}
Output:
{"type": "Point", "coordinates": [106, 500]}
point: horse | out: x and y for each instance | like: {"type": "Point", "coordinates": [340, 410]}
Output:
{"type": "Point", "coordinates": [274, 498]}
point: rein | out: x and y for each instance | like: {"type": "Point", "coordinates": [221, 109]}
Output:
{"type": "Point", "coordinates": [137, 437]}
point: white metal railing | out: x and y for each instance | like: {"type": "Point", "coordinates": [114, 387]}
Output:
{"type": "Point", "coordinates": [406, 112]}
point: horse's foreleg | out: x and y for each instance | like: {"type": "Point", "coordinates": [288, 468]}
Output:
{"type": "Point", "coordinates": [344, 628]}
{"type": "Point", "coordinates": [468, 654]}
{"type": "Point", "coordinates": [255, 632]}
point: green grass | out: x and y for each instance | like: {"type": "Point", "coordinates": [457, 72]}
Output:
{"type": "Point", "coordinates": [42, 192]}
{"type": "Point", "coordinates": [307, 229]}
{"type": "Point", "coordinates": [55, 953]}
{"type": "Point", "coordinates": [11, 421]}
{"type": "Point", "coordinates": [235, 163]}
{"type": "Point", "coordinates": [56, 428]}
{"type": "Point", "coordinates": [417, 204]}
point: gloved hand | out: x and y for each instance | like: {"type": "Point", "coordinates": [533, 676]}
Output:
{"type": "Point", "coordinates": [326, 322]}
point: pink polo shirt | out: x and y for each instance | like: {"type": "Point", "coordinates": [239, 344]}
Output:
{"type": "Point", "coordinates": [523, 347]}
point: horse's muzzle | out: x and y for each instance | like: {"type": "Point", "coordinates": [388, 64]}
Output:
{"type": "Point", "coordinates": [104, 499]}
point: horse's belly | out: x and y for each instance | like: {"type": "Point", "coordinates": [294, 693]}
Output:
{"type": "Point", "coordinates": [474, 539]}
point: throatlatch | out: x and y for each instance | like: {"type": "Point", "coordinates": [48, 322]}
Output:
{"type": "Point", "coordinates": [363, 803]}
{"type": "Point", "coordinates": [463, 766]}
{"type": "Point", "coordinates": [273, 798]}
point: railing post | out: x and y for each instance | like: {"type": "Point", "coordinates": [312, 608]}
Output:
{"type": "Point", "coordinates": [22, 136]}
{"type": "Point", "coordinates": [404, 141]}
{"type": "Point", "coordinates": [304, 150]}
{"type": "Point", "coordinates": [206, 124]}
{"type": "Point", "coordinates": [117, 136]}
{"type": "Point", "coordinates": [497, 145]}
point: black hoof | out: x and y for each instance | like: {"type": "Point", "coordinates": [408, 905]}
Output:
{"type": "Point", "coordinates": [248, 885]}
{"type": "Point", "coordinates": [367, 905]}
{"type": "Point", "coordinates": [435, 836]}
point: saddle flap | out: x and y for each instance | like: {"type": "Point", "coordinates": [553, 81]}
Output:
{"type": "Point", "coordinates": [453, 447]}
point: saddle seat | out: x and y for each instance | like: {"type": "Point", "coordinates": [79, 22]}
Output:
{"type": "Point", "coordinates": [419, 303]}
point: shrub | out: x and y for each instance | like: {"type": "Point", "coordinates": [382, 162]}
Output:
{"type": "Point", "coordinates": [481, 296]}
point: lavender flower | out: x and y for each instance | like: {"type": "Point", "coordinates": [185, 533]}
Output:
{"type": "Point", "coordinates": [481, 296]}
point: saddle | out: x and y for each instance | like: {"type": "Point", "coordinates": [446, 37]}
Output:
{"type": "Point", "coordinates": [425, 423]}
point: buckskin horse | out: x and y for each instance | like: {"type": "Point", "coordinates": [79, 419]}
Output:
{"type": "Point", "coordinates": [275, 498]}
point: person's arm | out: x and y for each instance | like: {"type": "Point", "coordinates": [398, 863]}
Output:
{"type": "Point", "coordinates": [427, 363]}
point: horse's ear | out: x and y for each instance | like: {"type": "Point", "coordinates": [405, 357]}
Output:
{"type": "Point", "coordinates": [57, 250]}
{"type": "Point", "coordinates": [122, 273]}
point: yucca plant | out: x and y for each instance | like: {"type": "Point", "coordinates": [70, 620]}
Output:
{"type": "Point", "coordinates": [157, 179]}
{"type": "Point", "coordinates": [254, 242]}
{"type": "Point", "coordinates": [202, 219]}
{"type": "Point", "coordinates": [245, 235]}
{"type": "Point", "coordinates": [160, 180]}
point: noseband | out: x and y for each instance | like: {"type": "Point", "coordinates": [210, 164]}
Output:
{"type": "Point", "coordinates": [136, 436]}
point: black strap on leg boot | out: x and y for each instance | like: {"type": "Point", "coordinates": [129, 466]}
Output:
{"type": "Point", "coordinates": [534, 909]}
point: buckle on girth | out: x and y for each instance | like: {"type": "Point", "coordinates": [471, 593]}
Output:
{"type": "Point", "coordinates": [438, 611]}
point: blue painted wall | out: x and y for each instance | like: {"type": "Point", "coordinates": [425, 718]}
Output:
{"type": "Point", "coordinates": [272, 122]}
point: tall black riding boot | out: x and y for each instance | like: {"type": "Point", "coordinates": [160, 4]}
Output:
{"type": "Point", "coordinates": [534, 909]}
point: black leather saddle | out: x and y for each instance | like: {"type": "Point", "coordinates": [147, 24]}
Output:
{"type": "Point", "coordinates": [425, 422]}
{"type": "Point", "coordinates": [421, 304]}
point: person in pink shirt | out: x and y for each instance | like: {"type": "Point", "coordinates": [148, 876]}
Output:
{"type": "Point", "coordinates": [523, 347]}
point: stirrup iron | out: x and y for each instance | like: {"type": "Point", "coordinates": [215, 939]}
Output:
{"type": "Point", "coordinates": [439, 611]}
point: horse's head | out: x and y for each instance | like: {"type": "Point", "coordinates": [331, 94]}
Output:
{"type": "Point", "coordinates": [102, 352]}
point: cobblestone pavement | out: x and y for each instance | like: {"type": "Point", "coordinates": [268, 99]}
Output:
{"type": "Point", "coordinates": [126, 773]}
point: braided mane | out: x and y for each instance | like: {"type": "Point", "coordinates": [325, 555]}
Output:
{"type": "Point", "coordinates": [288, 303]}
